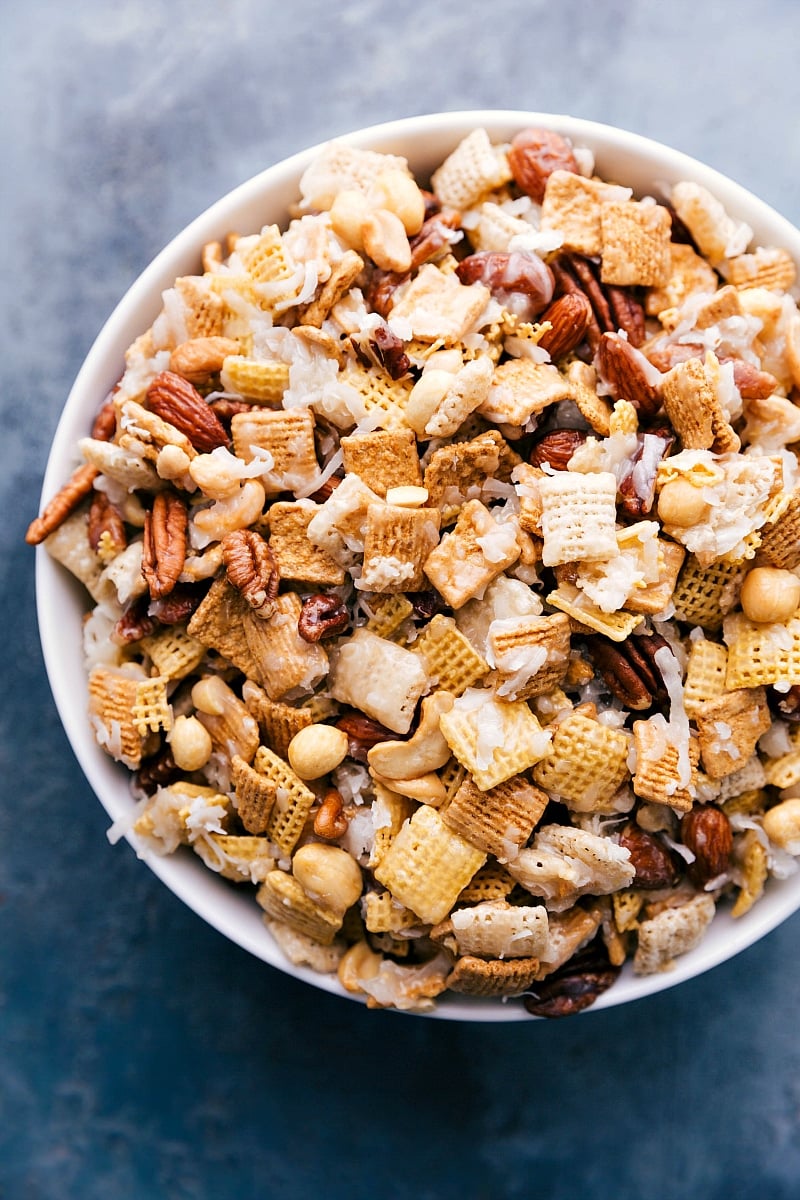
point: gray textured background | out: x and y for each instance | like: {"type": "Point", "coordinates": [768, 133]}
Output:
{"type": "Point", "coordinates": [141, 1055]}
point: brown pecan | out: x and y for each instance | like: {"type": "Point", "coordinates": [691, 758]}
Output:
{"type": "Point", "coordinates": [251, 569]}
{"type": "Point", "coordinates": [381, 290]}
{"type": "Point", "coordinates": [435, 235]}
{"type": "Point", "coordinates": [569, 317]}
{"type": "Point", "coordinates": [330, 822]}
{"type": "Point", "coordinates": [390, 352]}
{"type": "Point", "coordinates": [106, 528]}
{"type": "Point", "coordinates": [323, 616]}
{"type": "Point", "coordinates": [105, 423]}
{"type": "Point", "coordinates": [174, 399]}
{"type": "Point", "coordinates": [706, 831]}
{"type": "Point", "coordinates": [326, 490]}
{"type": "Point", "coordinates": [573, 987]}
{"type": "Point", "coordinates": [628, 373]}
{"type": "Point", "coordinates": [362, 734]}
{"type": "Point", "coordinates": [164, 543]}
{"type": "Point", "coordinates": [224, 408]}
{"type": "Point", "coordinates": [637, 487]}
{"type": "Point", "coordinates": [177, 607]}
{"type": "Point", "coordinates": [516, 279]}
{"type": "Point", "coordinates": [654, 863]}
{"type": "Point", "coordinates": [786, 704]}
{"type": "Point", "coordinates": [200, 357]}
{"type": "Point", "coordinates": [629, 669]}
{"type": "Point", "coordinates": [65, 501]}
{"type": "Point", "coordinates": [135, 623]}
{"type": "Point", "coordinates": [613, 308]}
{"type": "Point", "coordinates": [534, 155]}
{"type": "Point", "coordinates": [556, 448]}
{"type": "Point", "coordinates": [157, 771]}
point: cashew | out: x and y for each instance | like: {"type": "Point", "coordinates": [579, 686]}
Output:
{"type": "Point", "coordinates": [428, 789]}
{"type": "Point", "coordinates": [426, 751]}
{"type": "Point", "coordinates": [224, 516]}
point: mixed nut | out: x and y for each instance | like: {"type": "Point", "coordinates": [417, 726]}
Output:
{"type": "Point", "coordinates": [444, 551]}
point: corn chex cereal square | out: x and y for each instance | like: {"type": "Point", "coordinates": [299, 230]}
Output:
{"type": "Point", "coordinates": [636, 241]}
{"type": "Point", "coordinates": [438, 305]}
{"type": "Point", "coordinates": [586, 615]}
{"type": "Point", "coordinates": [704, 594]}
{"type": "Point", "coordinates": [499, 820]}
{"type": "Point", "coordinates": [491, 882]}
{"type": "Point", "coordinates": [390, 811]}
{"type": "Point", "coordinates": [688, 273]}
{"type": "Point", "coordinates": [397, 543]}
{"type": "Point", "coordinates": [659, 770]}
{"type": "Point", "coordinates": [297, 557]}
{"type": "Point", "coordinates": [173, 652]}
{"type": "Point", "coordinates": [282, 660]}
{"type": "Point", "coordinates": [761, 654]}
{"type": "Point", "coordinates": [112, 695]}
{"type": "Point", "coordinates": [293, 800]}
{"type": "Point", "coordinates": [474, 168]}
{"type": "Point", "coordinates": [451, 661]}
{"type": "Point", "coordinates": [383, 459]}
{"type": "Point", "coordinates": [586, 765]}
{"type": "Point", "coordinates": [255, 795]}
{"type": "Point", "coordinates": [277, 722]}
{"type": "Point", "coordinates": [427, 865]}
{"type": "Point", "coordinates": [706, 668]}
{"type": "Point", "coordinates": [780, 539]}
{"type": "Point", "coordinates": [729, 728]}
{"type": "Point", "coordinates": [203, 310]}
{"type": "Point", "coordinates": [264, 257]}
{"type": "Point", "coordinates": [493, 739]}
{"type": "Point", "coordinates": [388, 613]}
{"type": "Point", "coordinates": [474, 553]}
{"type": "Point", "coordinates": [521, 387]}
{"type": "Point", "coordinates": [282, 897]}
{"type": "Point", "coordinates": [473, 976]}
{"type": "Point", "coordinates": [531, 654]}
{"type": "Point", "coordinates": [768, 267]}
{"type": "Point", "coordinates": [572, 207]}
{"type": "Point", "coordinates": [578, 517]}
{"type": "Point", "coordinates": [288, 437]}
{"type": "Point", "coordinates": [454, 470]}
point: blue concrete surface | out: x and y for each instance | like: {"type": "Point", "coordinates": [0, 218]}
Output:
{"type": "Point", "coordinates": [141, 1055]}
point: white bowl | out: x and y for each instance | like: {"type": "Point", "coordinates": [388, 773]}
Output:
{"type": "Point", "coordinates": [624, 157]}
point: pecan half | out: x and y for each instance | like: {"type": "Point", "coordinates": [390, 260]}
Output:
{"type": "Point", "coordinates": [164, 543]}
{"type": "Point", "coordinates": [330, 822]}
{"type": "Point", "coordinates": [556, 448]}
{"type": "Point", "coordinates": [157, 771]}
{"type": "Point", "coordinates": [569, 317]}
{"type": "Point", "coordinates": [706, 831]}
{"type": "Point", "coordinates": [323, 616]}
{"type": "Point", "coordinates": [534, 155]}
{"type": "Point", "coordinates": [177, 607]}
{"type": "Point", "coordinates": [654, 863]}
{"type": "Point", "coordinates": [390, 352]}
{"type": "Point", "coordinates": [106, 528]}
{"type": "Point", "coordinates": [435, 234]}
{"type": "Point", "coordinates": [174, 399]}
{"type": "Point", "coordinates": [362, 734]}
{"type": "Point", "coordinates": [629, 669]}
{"type": "Point", "coordinates": [65, 501]}
{"type": "Point", "coordinates": [251, 569]}
{"type": "Point", "coordinates": [105, 423]}
{"type": "Point", "coordinates": [613, 307]}
{"type": "Point", "coordinates": [575, 986]}
{"type": "Point", "coordinates": [637, 488]}
{"type": "Point", "coordinates": [224, 408]}
{"type": "Point", "coordinates": [516, 279]}
{"type": "Point", "coordinates": [134, 624]}
{"type": "Point", "coordinates": [628, 373]}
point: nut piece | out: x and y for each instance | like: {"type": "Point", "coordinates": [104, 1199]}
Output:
{"type": "Point", "coordinates": [251, 569]}
{"type": "Point", "coordinates": [569, 317]}
{"type": "Point", "coordinates": [331, 822]}
{"type": "Point", "coordinates": [782, 825]}
{"type": "Point", "coordinates": [655, 866]}
{"type": "Point", "coordinates": [557, 448]}
{"type": "Point", "coordinates": [175, 400]}
{"type": "Point", "coordinates": [573, 987]}
{"type": "Point", "coordinates": [328, 876]}
{"type": "Point", "coordinates": [323, 616]}
{"type": "Point", "coordinates": [190, 743]}
{"type": "Point", "coordinates": [629, 669]}
{"type": "Point", "coordinates": [625, 370]}
{"type": "Point", "coordinates": [362, 733]}
{"type": "Point", "coordinates": [707, 833]}
{"type": "Point", "coordinates": [316, 750]}
{"type": "Point", "coordinates": [164, 543]}
{"type": "Point", "coordinates": [516, 278]}
{"type": "Point", "coordinates": [769, 594]}
{"type": "Point", "coordinates": [200, 357]}
{"type": "Point", "coordinates": [534, 155]}
{"type": "Point", "coordinates": [65, 501]}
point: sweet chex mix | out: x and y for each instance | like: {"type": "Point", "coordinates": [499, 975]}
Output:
{"type": "Point", "coordinates": [443, 548]}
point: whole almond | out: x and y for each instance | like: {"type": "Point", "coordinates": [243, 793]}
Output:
{"type": "Point", "coordinates": [533, 156]}
{"type": "Point", "coordinates": [569, 318]}
{"type": "Point", "coordinates": [557, 448]}
{"type": "Point", "coordinates": [654, 864]}
{"type": "Point", "coordinates": [706, 831]}
{"type": "Point", "coordinates": [173, 398]}
{"type": "Point", "coordinates": [625, 370]}
{"type": "Point", "coordinates": [200, 357]}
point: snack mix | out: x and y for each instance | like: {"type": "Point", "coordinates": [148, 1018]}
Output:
{"type": "Point", "coordinates": [444, 550]}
